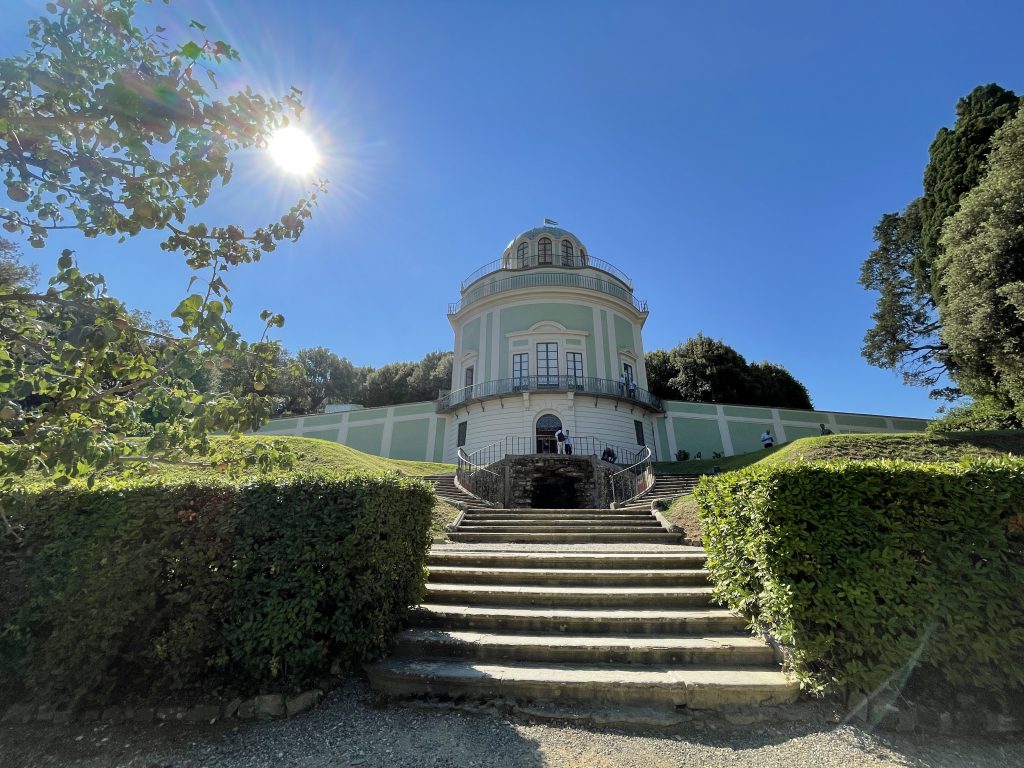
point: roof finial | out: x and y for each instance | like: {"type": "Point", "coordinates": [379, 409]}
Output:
{"type": "Point", "coordinates": [552, 222]}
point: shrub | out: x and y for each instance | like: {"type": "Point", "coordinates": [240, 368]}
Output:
{"type": "Point", "coordinates": [162, 586]}
{"type": "Point", "coordinates": [862, 569]}
{"type": "Point", "coordinates": [986, 413]}
{"type": "Point", "coordinates": [682, 455]}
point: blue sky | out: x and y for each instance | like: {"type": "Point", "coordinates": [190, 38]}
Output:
{"type": "Point", "coordinates": [732, 158]}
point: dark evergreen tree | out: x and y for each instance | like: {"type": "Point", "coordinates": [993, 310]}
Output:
{"type": "Point", "coordinates": [773, 386]}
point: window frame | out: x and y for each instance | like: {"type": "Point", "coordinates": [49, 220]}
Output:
{"type": "Point", "coordinates": [460, 439]}
{"type": "Point", "coordinates": [568, 254]}
{"type": "Point", "coordinates": [522, 255]}
{"type": "Point", "coordinates": [641, 439]}
{"type": "Point", "coordinates": [547, 357]}
{"type": "Point", "coordinates": [545, 255]}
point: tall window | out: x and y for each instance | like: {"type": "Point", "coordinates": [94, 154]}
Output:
{"type": "Point", "coordinates": [521, 254]}
{"type": "Point", "coordinates": [574, 368]}
{"type": "Point", "coordinates": [520, 369]}
{"type": "Point", "coordinates": [567, 256]}
{"type": "Point", "coordinates": [462, 433]}
{"type": "Point", "coordinates": [639, 427]}
{"type": "Point", "coordinates": [627, 371]}
{"type": "Point", "coordinates": [547, 364]}
{"type": "Point", "coordinates": [469, 377]}
{"type": "Point", "coordinates": [544, 251]}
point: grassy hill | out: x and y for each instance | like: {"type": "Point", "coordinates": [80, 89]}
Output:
{"type": "Point", "coordinates": [917, 446]}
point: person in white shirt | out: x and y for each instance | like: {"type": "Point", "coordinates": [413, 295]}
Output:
{"type": "Point", "coordinates": [559, 440]}
{"type": "Point", "coordinates": [766, 439]}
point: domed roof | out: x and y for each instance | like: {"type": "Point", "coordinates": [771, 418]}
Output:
{"type": "Point", "coordinates": [546, 229]}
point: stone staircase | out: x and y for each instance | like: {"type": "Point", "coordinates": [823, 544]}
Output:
{"type": "Point", "coordinates": [666, 488]}
{"type": "Point", "coordinates": [596, 625]}
{"type": "Point", "coordinates": [445, 488]}
{"type": "Point", "coordinates": [561, 526]}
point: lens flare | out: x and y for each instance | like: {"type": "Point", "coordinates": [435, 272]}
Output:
{"type": "Point", "coordinates": [293, 151]}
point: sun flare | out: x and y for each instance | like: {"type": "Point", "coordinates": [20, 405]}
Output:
{"type": "Point", "coordinates": [293, 151]}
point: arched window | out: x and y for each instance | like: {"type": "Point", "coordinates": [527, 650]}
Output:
{"type": "Point", "coordinates": [567, 256]}
{"type": "Point", "coordinates": [521, 254]}
{"type": "Point", "coordinates": [544, 251]}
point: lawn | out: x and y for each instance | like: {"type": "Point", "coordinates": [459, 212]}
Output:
{"type": "Point", "coordinates": [917, 446]}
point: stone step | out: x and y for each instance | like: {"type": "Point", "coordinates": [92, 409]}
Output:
{"type": "Point", "coordinates": [711, 650]}
{"type": "Point", "coordinates": [590, 621]}
{"type": "Point", "coordinates": [569, 514]}
{"type": "Point", "coordinates": [553, 528]}
{"type": "Point", "coordinates": [564, 577]}
{"type": "Point", "coordinates": [580, 597]}
{"type": "Point", "coordinates": [663, 537]}
{"type": "Point", "coordinates": [644, 520]}
{"type": "Point", "coordinates": [695, 688]}
{"type": "Point", "coordinates": [681, 558]}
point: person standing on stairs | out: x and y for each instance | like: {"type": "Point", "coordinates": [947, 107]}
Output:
{"type": "Point", "coordinates": [568, 443]}
{"type": "Point", "coordinates": [559, 440]}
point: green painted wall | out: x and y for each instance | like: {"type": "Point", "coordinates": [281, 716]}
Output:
{"type": "Point", "coordinates": [412, 409]}
{"type": "Point", "coordinates": [471, 336]}
{"type": "Point", "coordinates": [575, 317]}
{"type": "Point", "coordinates": [811, 417]}
{"type": "Point", "coordinates": [322, 421]}
{"type": "Point", "coordinates": [746, 437]}
{"type": "Point", "coordinates": [367, 439]}
{"type": "Point", "coordinates": [674, 406]}
{"type": "Point", "coordinates": [910, 425]}
{"type": "Point", "coordinates": [624, 337]}
{"type": "Point", "coordinates": [861, 421]}
{"type": "Point", "coordinates": [696, 435]}
{"type": "Point", "coordinates": [409, 439]}
{"type": "Point", "coordinates": [747, 413]}
{"type": "Point", "coordinates": [484, 363]}
{"type": "Point", "coordinates": [324, 434]}
{"type": "Point", "coordinates": [367, 414]}
{"type": "Point", "coordinates": [792, 433]}
{"type": "Point", "coordinates": [663, 452]}
{"type": "Point", "coordinates": [611, 360]}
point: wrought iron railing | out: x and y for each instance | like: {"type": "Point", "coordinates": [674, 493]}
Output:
{"type": "Point", "coordinates": [556, 279]}
{"type": "Point", "coordinates": [628, 483]}
{"type": "Point", "coordinates": [557, 260]}
{"type": "Point", "coordinates": [581, 446]}
{"type": "Point", "coordinates": [582, 384]}
{"type": "Point", "coordinates": [479, 480]}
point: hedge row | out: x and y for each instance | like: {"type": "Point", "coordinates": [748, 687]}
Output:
{"type": "Point", "coordinates": [156, 586]}
{"type": "Point", "coordinates": [865, 569]}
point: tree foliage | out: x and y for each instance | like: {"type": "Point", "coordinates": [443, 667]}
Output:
{"type": "Point", "coordinates": [707, 370]}
{"type": "Point", "coordinates": [982, 275]}
{"type": "Point", "coordinates": [905, 267]}
{"type": "Point", "coordinates": [108, 129]}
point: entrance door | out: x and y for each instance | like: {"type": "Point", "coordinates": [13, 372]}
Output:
{"type": "Point", "coordinates": [547, 425]}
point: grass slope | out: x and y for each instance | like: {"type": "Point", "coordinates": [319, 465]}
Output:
{"type": "Point", "coordinates": [916, 446]}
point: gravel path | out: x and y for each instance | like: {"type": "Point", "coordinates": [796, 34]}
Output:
{"type": "Point", "coordinates": [347, 730]}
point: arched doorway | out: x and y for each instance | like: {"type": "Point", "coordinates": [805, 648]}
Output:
{"type": "Point", "coordinates": [547, 425]}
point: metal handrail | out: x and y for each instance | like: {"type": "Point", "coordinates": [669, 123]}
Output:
{"type": "Point", "coordinates": [467, 474]}
{"type": "Point", "coordinates": [583, 384]}
{"type": "Point", "coordinates": [514, 445]}
{"type": "Point", "coordinates": [513, 263]}
{"type": "Point", "coordinates": [538, 279]}
{"type": "Point", "coordinates": [637, 479]}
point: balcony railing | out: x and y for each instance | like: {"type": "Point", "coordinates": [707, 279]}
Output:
{"type": "Point", "coordinates": [587, 385]}
{"type": "Point", "coordinates": [557, 279]}
{"type": "Point", "coordinates": [513, 263]}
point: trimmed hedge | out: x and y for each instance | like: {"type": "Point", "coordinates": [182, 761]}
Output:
{"type": "Point", "coordinates": [175, 586]}
{"type": "Point", "coordinates": [863, 570]}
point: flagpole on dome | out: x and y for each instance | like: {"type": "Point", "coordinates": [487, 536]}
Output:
{"type": "Point", "coordinates": [550, 222]}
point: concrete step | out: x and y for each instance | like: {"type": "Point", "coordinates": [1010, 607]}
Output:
{"type": "Point", "coordinates": [646, 521]}
{"type": "Point", "coordinates": [559, 528]}
{"type": "Point", "coordinates": [695, 688]}
{"type": "Point", "coordinates": [677, 558]}
{"type": "Point", "coordinates": [569, 514]}
{"type": "Point", "coordinates": [590, 621]}
{"type": "Point", "coordinates": [663, 537]}
{"type": "Point", "coordinates": [581, 597]}
{"type": "Point", "coordinates": [712, 650]}
{"type": "Point", "coordinates": [564, 577]}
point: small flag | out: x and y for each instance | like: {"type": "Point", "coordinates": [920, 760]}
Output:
{"type": "Point", "coordinates": [551, 221]}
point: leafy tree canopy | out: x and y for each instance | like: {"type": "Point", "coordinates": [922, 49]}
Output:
{"type": "Point", "coordinates": [110, 129]}
{"type": "Point", "coordinates": [707, 370]}
{"type": "Point", "coordinates": [982, 274]}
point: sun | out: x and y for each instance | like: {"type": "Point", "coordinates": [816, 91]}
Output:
{"type": "Point", "coordinates": [293, 151]}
